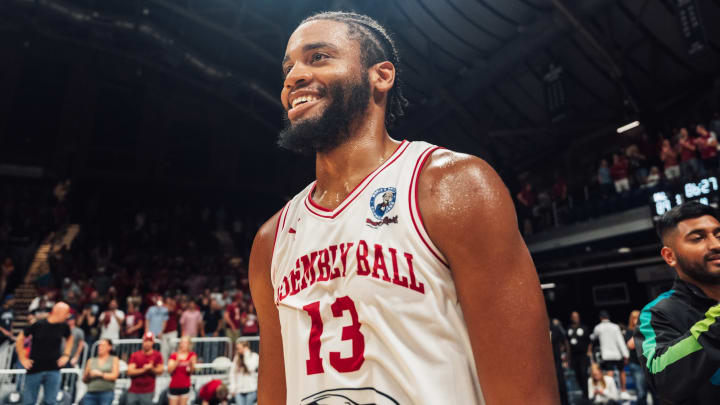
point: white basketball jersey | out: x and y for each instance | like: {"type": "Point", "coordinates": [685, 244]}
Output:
{"type": "Point", "coordinates": [368, 308]}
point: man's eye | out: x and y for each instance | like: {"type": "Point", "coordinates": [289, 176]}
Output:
{"type": "Point", "coordinates": [286, 70]}
{"type": "Point", "coordinates": [318, 56]}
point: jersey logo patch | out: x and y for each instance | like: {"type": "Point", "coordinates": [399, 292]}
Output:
{"type": "Point", "coordinates": [381, 203]}
{"type": "Point", "coordinates": [349, 396]}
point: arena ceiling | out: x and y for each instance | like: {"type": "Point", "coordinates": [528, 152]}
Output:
{"type": "Point", "coordinates": [476, 71]}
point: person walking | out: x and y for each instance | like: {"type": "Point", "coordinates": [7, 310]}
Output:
{"type": "Point", "coordinates": [613, 349]}
{"type": "Point", "coordinates": [100, 375]}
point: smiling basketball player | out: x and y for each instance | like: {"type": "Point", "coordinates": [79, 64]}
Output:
{"type": "Point", "coordinates": [399, 275]}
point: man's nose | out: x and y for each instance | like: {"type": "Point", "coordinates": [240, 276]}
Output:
{"type": "Point", "coordinates": [298, 74]}
{"type": "Point", "coordinates": [714, 242]}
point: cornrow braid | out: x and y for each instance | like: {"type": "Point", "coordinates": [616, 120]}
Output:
{"type": "Point", "coordinates": [376, 46]}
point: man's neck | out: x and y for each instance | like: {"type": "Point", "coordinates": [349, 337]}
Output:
{"type": "Point", "coordinates": [712, 291]}
{"type": "Point", "coordinates": [148, 351]}
{"type": "Point", "coordinates": [340, 170]}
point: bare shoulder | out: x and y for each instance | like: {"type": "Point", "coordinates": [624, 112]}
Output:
{"type": "Point", "coordinates": [462, 180]}
{"type": "Point", "coordinates": [262, 248]}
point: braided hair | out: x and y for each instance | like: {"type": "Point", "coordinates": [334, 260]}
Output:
{"type": "Point", "coordinates": [376, 46]}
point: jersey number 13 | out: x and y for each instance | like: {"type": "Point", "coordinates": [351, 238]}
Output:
{"type": "Point", "coordinates": [351, 332]}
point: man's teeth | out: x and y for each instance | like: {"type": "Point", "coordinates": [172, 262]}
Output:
{"type": "Point", "coordinates": [302, 99]}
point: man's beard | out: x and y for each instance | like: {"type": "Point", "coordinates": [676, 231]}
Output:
{"type": "Point", "coordinates": [348, 100]}
{"type": "Point", "coordinates": [698, 271]}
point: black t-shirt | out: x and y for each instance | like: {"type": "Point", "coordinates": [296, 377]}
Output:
{"type": "Point", "coordinates": [6, 319]}
{"type": "Point", "coordinates": [212, 318]}
{"type": "Point", "coordinates": [45, 348]}
{"type": "Point", "coordinates": [579, 338]}
{"type": "Point", "coordinates": [633, 354]}
{"type": "Point", "coordinates": [557, 339]}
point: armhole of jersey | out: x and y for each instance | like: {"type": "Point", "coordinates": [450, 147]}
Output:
{"type": "Point", "coordinates": [280, 226]}
{"type": "Point", "coordinates": [415, 215]}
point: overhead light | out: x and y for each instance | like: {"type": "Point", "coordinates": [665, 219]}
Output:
{"type": "Point", "coordinates": [624, 250]}
{"type": "Point", "coordinates": [628, 127]}
{"type": "Point", "coordinates": [547, 286]}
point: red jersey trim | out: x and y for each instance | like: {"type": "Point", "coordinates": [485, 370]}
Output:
{"type": "Point", "coordinates": [415, 210]}
{"type": "Point", "coordinates": [278, 228]}
{"type": "Point", "coordinates": [323, 212]}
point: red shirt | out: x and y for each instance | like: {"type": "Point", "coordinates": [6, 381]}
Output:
{"type": "Point", "coordinates": [145, 382]}
{"type": "Point", "coordinates": [207, 392]}
{"type": "Point", "coordinates": [686, 150]}
{"type": "Point", "coordinates": [172, 322]}
{"type": "Point", "coordinates": [251, 325]}
{"type": "Point", "coordinates": [619, 170]}
{"type": "Point", "coordinates": [669, 157]}
{"type": "Point", "coordinates": [180, 376]}
{"type": "Point", "coordinates": [707, 151]}
{"type": "Point", "coordinates": [528, 196]}
{"type": "Point", "coordinates": [233, 312]}
{"type": "Point", "coordinates": [132, 320]}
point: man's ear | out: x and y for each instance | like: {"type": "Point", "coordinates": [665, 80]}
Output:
{"type": "Point", "coordinates": [669, 256]}
{"type": "Point", "coordinates": [382, 76]}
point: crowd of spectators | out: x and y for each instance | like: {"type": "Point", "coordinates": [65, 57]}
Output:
{"type": "Point", "coordinates": [624, 177]}
{"type": "Point", "coordinates": [600, 359]}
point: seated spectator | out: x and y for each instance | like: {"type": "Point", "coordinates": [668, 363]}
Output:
{"type": "Point", "coordinates": [135, 298]}
{"type": "Point", "coordinates": [619, 173]}
{"type": "Point", "coordinates": [669, 157]}
{"type": "Point", "coordinates": [527, 200]}
{"type": "Point", "coordinates": [708, 148]}
{"type": "Point", "coordinates": [42, 303]}
{"type": "Point", "coordinates": [601, 388]}
{"type": "Point", "coordinates": [213, 393]}
{"type": "Point", "coordinates": [653, 179]}
{"type": "Point", "coordinates": [100, 375]}
{"type": "Point", "coordinates": [7, 338]}
{"type": "Point", "coordinates": [243, 375]}
{"type": "Point", "coordinates": [559, 189]}
{"type": "Point", "coordinates": [249, 321]}
{"type": "Point", "coordinates": [180, 366]}
{"type": "Point", "coordinates": [6, 270]}
{"type": "Point", "coordinates": [636, 163]}
{"type": "Point", "coordinates": [688, 155]}
{"type": "Point", "coordinates": [604, 179]}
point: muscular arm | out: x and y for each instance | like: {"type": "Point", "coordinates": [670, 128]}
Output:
{"type": "Point", "coordinates": [271, 376]}
{"type": "Point", "coordinates": [469, 215]}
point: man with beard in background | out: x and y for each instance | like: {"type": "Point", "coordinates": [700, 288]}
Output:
{"type": "Point", "coordinates": [678, 337]}
{"type": "Point", "coordinates": [396, 300]}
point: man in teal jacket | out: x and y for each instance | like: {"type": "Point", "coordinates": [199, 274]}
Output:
{"type": "Point", "coordinates": [678, 338]}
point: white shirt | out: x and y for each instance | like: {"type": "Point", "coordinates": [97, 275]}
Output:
{"type": "Point", "coordinates": [112, 329]}
{"type": "Point", "coordinates": [244, 382]}
{"type": "Point", "coordinates": [612, 342]}
{"type": "Point", "coordinates": [610, 391]}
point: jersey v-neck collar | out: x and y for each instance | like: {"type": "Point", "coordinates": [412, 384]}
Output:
{"type": "Point", "coordinates": [323, 212]}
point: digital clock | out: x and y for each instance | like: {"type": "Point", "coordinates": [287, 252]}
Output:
{"type": "Point", "coordinates": [704, 191]}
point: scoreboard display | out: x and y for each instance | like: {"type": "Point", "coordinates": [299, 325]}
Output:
{"type": "Point", "coordinates": [705, 191]}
